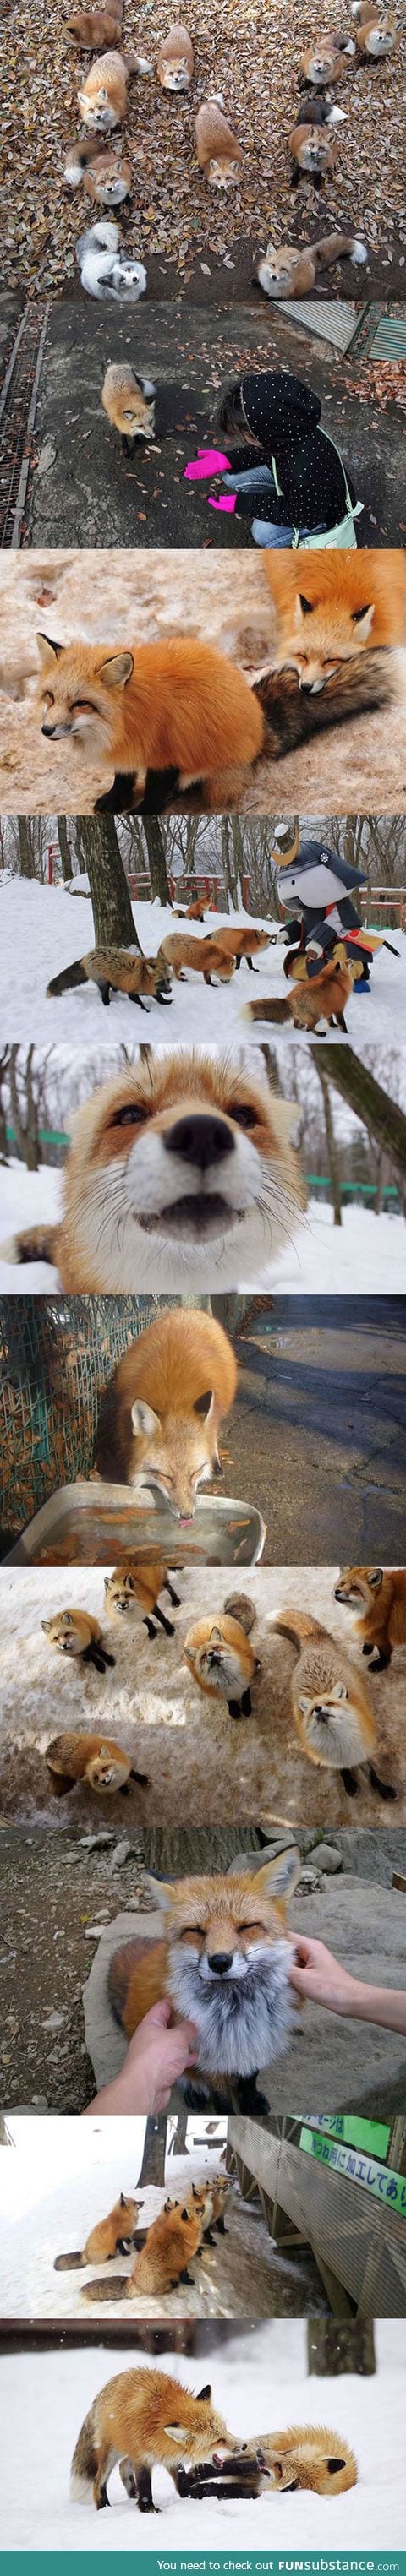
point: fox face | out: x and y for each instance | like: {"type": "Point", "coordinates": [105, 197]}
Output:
{"type": "Point", "coordinates": [221, 1657]}
{"type": "Point", "coordinates": [181, 1168]}
{"type": "Point", "coordinates": [358, 1586]}
{"type": "Point", "coordinates": [334, 606]}
{"type": "Point", "coordinates": [106, 1771]}
{"type": "Point", "coordinates": [227, 1961]}
{"type": "Point", "coordinates": [122, 1596]}
{"type": "Point", "coordinates": [65, 1633]}
{"type": "Point", "coordinates": [178, 1455]}
{"type": "Point", "coordinates": [75, 690]}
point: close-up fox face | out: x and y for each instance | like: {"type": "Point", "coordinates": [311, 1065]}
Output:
{"type": "Point", "coordinates": [333, 606]}
{"type": "Point", "coordinates": [178, 1455]}
{"type": "Point", "coordinates": [220, 1657]}
{"type": "Point", "coordinates": [358, 1585]}
{"type": "Point", "coordinates": [76, 685]}
{"type": "Point", "coordinates": [227, 1961]}
{"type": "Point", "coordinates": [182, 1168]}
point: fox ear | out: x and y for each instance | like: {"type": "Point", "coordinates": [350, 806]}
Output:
{"type": "Point", "coordinates": [104, 1753]}
{"type": "Point", "coordinates": [161, 1890]}
{"type": "Point", "coordinates": [175, 2432]}
{"type": "Point", "coordinates": [305, 605]}
{"type": "Point", "coordinates": [375, 1579]}
{"type": "Point", "coordinates": [117, 670]}
{"type": "Point", "coordinates": [363, 619]}
{"type": "Point", "coordinates": [279, 1877]}
{"type": "Point", "coordinates": [203, 1402]}
{"type": "Point", "coordinates": [48, 652]}
{"type": "Point", "coordinates": [203, 2392]}
{"type": "Point", "coordinates": [333, 2466]}
{"type": "Point", "coordinates": [143, 1419]}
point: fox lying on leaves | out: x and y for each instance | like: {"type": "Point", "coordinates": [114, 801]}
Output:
{"type": "Point", "coordinates": [223, 1959]}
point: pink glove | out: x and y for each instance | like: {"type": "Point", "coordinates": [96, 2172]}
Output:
{"type": "Point", "coordinates": [208, 461]}
{"type": "Point", "coordinates": [227, 502]}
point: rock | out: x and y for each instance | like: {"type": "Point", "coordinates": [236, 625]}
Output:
{"type": "Point", "coordinates": [123, 1852]}
{"type": "Point", "coordinates": [95, 1842]}
{"type": "Point", "coordinates": [46, 457]}
{"type": "Point", "coordinates": [54, 2021]}
{"type": "Point", "coordinates": [324, 1856]}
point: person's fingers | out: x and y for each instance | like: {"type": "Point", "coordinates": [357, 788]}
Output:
{"type": "Point", "coordinates": [160, 2013]}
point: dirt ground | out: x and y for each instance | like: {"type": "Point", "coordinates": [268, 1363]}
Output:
{"type": "Point", "coordinates": [358, 766]}
{"type": "Point", "coordinates": [185, 1740]}
{"type": "Point", "coordinates": [250, 57]}
{"type": "Point", "coordinates": [85, 491]}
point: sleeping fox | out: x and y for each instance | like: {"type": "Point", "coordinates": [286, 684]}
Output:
{"type": "Point", "coordinates": [178, 711]}
{"type": "Point", "coordinates": [332, 606]}
{"type": "Point", "coordinates": [222, 1660]}
{"type": "Point", "coordinates": [223, 1959]}
{"type": "Point", "coordinates": [179, 1169]}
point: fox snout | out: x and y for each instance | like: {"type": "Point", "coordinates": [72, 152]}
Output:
{"type": "Point", "coordinates": [200, 1140]}
{"type": "Point", "coordinates": [220, 1962]}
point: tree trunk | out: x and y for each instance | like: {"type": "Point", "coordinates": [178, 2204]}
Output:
{"type": "Point", "coordinates": [65, 853]}
{"type": "Point", "coordinates": [179, 2137]}
{"type": "Point", "coordinates": [333, 1160]}
{"type": "Point", "coordinates": [112, 914]}
{"type": "Point", "coordinates": [26, 854]}
{"type": "Point", "coordinates": [153, 834]}
{"type": "Point", "coordinates": [26, 1129]}
{"type": "Point", "coordinates": [333, 2348]}
{"type": "Point", "coordinates": [380, 1115]}
{"type": "Point", "coordinates": [153, 2162]}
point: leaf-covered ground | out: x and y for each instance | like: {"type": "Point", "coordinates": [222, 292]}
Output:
{"type": "Point", "coordinates": [243, 50]}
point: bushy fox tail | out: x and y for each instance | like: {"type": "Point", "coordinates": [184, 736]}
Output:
{"type": "Point", "coordinates": [74, 974]}
{"type": "Point", "coordinates": [70, 2263]}
{"type": "Point", "coordinates": [299, 1627]}
{"type": "Point", "coordinates": [276, 1009]}
{"type": "Point", "coordinates": [118, 2288]}
{"type": "Point", "coordinates": [85, 2461]}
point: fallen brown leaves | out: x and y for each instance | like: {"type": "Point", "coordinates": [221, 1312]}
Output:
{"type": "Point", "coordinates": [248, 53]}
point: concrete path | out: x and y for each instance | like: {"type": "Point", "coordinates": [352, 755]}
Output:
{"type": "Point", "coordinates": [317, 1435]}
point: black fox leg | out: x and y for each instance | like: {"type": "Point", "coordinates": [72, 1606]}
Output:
{"type": "Point", "coordinates": [145, 2496]}
{"type": "Point", "coordinates": [150, 1625]}
{"type": "Point", "coordinates": [350, 1784]}
{"type": "Point", "coordinates": [382, 1660]}
{"type": "Point", "coordinates": [127, 2473]}
{"type": "Point", "coordinates": [173, 1596]}
{"type": "Point", "coordinates": [383, 1787]}
{"type": "Point", "coordinates": [143, 1783]}
{"type": "Point", "coordinates": [167, 1624]}
{"type": "Point", "coordinates": [247, 2096]}
{"type": "Point", "coordinates": [246, 1704]}
{"type": "Point", "coordinates": [295, 178]}
{"type": "Point", "coordinates": [254, 970]}
{"type": "Point", "coordinates": [220, 2224]}
{"type": "Point", "coordinates": [118, 798]}
{"type": "Point", "coordinates": [160, 785]}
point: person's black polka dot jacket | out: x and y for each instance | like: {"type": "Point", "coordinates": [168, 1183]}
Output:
{"type": "Point", "coordinates": [284, 418]}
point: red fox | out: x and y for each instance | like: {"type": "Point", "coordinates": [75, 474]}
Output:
{"type": "Point", "coordinates": [179, 711]}
{"type": "Point", "coordinates": [175, 62]}
{"type": "Point", "coordinates": [94, 29]}
{"type": "Point", "coordinates": [313, 145]}
{"type": "Point", "coordinates": [243, 940]}
{"type": "Point", "coordinates": [129, 402]}
{"type": "Point", "coordinates": [206, 957]}
{"type": "Point", "coordinates": [377, 1595]}
{"type": "Point", "coordinates": [375, 37]}
{"type": "Point", "coordinates": [223, 1959]}
{"type": "Point", "coordinates": [311, 1003]}
{"type": "Point", "coordinates": [218, 152]}
{"type": "Point", "coordinates": [331, 606]}
{"type": "Point", "coordinates": [294, 272]}
{"type": "Point", "coordinates": [140, 2418]}
{"type": "Point", "coordinates": [194, 911]}
{"type": "Point", "coordinates": [303, 2455]}
{"type": "Point", "coordinates": [221, 1659]}
{"type": "Point", "coordinates": [95, 1759]}
{"type": "Point", "coordinates": [116, 970]}
{"type": "Point", "coordinates": [112, 2235]}
{"type": "Point", "coordinates": [170, 2245]}
{"type": "Point", "coordinates": [179, 1169]}
{"type": "Point", "coordinates": [334, 1719]}
{"type": "Point", "coordinates": [324, 64]}
{"type": "Point", "coordinates": [106, 180]}
{"type": "Point", "coordinates": [103, 101]}
{"type": "Point", "coordinates": [161, 1412]}
{"type": "Point", "coordinates": [133, 1590]}
{"type": "Point", "coordinates": [75, 1632]}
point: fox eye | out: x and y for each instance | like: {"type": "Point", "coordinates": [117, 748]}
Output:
{"type": "Point", "coordinates": [243, 1114]}
{"type": "Point", "coordinates": [82, 706]}
{"type": "Point", "coordinates": [130, 1116]}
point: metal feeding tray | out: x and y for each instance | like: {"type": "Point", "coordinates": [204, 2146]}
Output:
{"type": "Point", "coordinates": [95, 1524]}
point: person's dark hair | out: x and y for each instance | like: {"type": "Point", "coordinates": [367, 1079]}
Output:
{"type": "Point", "coordinates": [231, 420]}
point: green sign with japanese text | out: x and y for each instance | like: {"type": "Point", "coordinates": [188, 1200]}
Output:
{"type": "Point", "coordinates": [377, 2180]}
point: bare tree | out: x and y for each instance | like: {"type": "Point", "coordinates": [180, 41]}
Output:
{"type": "Point", "coordinates": [380, 1115]}
{"type": "Point", "coordinates": [112, 912]}
{"type": "Point", "coordinates": [25, 1122]}
{"type": "Point", "coordinates": [154, 837]}
{"type": "Point", "coordinates": [334, 2347]}
{"type": "Point", "coordinates": [25, 846]}
{"type": "Point", "coordinates": [332, 1149]}
{"type": "Point", "coordinates": [65, 852]}
{"type": "Point", "coordinates": [153, 2162]}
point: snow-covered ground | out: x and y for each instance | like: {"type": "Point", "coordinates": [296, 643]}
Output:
{"type": "Point", "coordinates": [63, 2177]}
{"type": "Point", "coordinates": [42, 929]}
{"type": "Point", "coordinates": [365, 1252]}
{"type": "Point", "coordinates": [260, 2384]}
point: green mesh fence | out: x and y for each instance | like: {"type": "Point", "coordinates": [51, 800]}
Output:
{"type": "Point", "coordinates": [55, 1357]}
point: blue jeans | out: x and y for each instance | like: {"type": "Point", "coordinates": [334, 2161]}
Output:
{"type": "Point", "coordinates": [266, 532]}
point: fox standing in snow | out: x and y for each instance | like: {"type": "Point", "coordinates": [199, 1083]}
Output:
{"type": "Point", "coordinates": [171, 2243]}
{"type": "Point", "coordinates": [132, 1591]}
{"type": "Point", "coordinates": [376, 1595]}
{"type": "Point", "coordinates": [112, 2235]}
{"type": "Point", "coordinates": [319, 999]}
{"type": "Point", "coordinates": [76, 1632]}
{"type": "Point", "coordinates": [143, 2419]}
{"type": "Point", "coordinates": [221, 1660]}
{"type": "Point", "coordinates": [333, 1714]}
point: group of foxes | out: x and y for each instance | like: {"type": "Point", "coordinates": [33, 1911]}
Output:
{"type": "Point", "coordinates": [144, 2419]}
{"type": "Point", "coordinates": [163, 2251]}
{"type": "Point", "coordinates": [103, 103]}
{"type": "Point", "coordinates": [313, 143]}
{"type": "Point", "coordinates": [332, 1709]}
